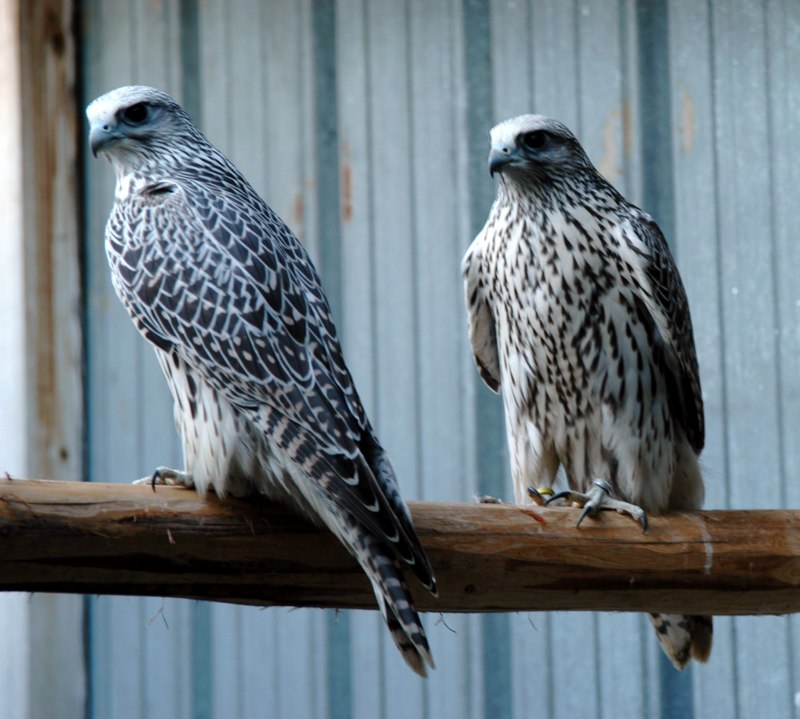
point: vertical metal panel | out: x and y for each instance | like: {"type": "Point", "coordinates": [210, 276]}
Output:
{"type": "Point", "coordinates": [255, 105]}
{"type": "Point", "coordinates": [698, 248]}
{"type": "Point", "coordinates": [556, 59]}
{"type": "Point", "coordinates": [747, 281]}
{"type": "Point", "coordinates": [394, 300]}
{"type": "Point", "coordinates": [488, 449]}
{"type": "Point", "coordinates": [691, 110]}
{"type": "Point", "coordinates": [731, 120]}
{"type": "Point", "coordinates": [137, 664]}
{"type": "Point", "coordinates": [339, 682]}
{"type": "Point", "coordinates": [783, 57]}
{"type": "Point", "coordinates": [443, 408]}
{"type": "Point", "coordinates": [358, 316]}
{"type": "Point", "coordinates": [675, 688]}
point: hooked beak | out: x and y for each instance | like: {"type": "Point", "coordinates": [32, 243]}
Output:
{"type": "Point", "coordinates": [499, 157]}
{"type": "Point", "coordinates": [101, 136]}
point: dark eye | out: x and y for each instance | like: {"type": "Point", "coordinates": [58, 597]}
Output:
{"type": "Point", "coordinates": [135, 114]}
{"type": "Point", "coordinates": [536, 140]}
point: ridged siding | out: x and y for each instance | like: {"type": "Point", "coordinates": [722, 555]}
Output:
{"type": "Point", "coordinates": [364, 124]}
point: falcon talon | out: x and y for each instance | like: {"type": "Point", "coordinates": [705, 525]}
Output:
{"type": "Point", "coordinates": [602, 484]}
{"type": "Point", "coordinates": [538, 494]}
{"type": "Point", "coordinates": [166, 476]}
{"type": "Point", "coordinates": [599, 498]}
{"type": "Point", "coordinates": [587, 509]}
{"type": "Point", "coordinates": [640, 516]}
{"type": "Point", "coordinates": [566, 494]}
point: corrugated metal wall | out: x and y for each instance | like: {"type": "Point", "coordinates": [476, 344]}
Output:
{"type": "Point", "coordinates": [364, 125]}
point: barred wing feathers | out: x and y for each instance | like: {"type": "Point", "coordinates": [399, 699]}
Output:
{"type": "Point", "coordinates": [482, 330]}
{"type": "Point", "coordinates": [668, 306]}
{"type": "Point", "coordinates": [224, 282]}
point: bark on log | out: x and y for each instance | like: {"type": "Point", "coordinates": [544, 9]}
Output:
{"type": "Point", "coordinates": [122, 539]}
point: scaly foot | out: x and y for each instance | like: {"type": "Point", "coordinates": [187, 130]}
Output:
{"type": "Point", "coordinates": [167, 476]}
{"type": "Point", "coordinates": [599, 497]}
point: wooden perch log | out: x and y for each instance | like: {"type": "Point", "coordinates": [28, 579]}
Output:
{"type": "Point", "coordinates": [123, 539]}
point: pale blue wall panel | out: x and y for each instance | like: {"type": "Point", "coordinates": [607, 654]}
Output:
{"type": "Point", "coordinates": [361, 629]}
{"type": "Point", "coordinates": [364, 124]}
{"type": "Point", "coordinates": [139, 666]}
{"type": "Point", "coordinates": [783, 47]}
{"type": "Point", "coordinates": [698, 254]}
{"type": "Point", "coordinates": [748, 281]}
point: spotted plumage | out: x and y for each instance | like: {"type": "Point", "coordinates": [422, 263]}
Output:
{"type": "Point", "coordinates": [578, 318]}
{"type": "Point", "coordinates": [230, 300]}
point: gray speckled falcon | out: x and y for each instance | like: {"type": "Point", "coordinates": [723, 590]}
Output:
{"type": "Point", "coordinates": [231, 302]}
{"type": "Point", "coordinates": [578, 317]}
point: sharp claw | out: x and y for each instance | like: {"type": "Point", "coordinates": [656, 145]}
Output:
{"type": "Point", "coordinates": [594, 501]}
{"type": "Point", "coordinates": [599, 483]}
{"type": "Point", "coordinates": [561, 495]}
{"type": "Point", "coordinates": [605, 486]}
{"type": "Point", "coordinates": [538, 494]}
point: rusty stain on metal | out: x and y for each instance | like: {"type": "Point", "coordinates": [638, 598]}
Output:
{"type": "Point", "coordinates": [298, 209]}
{"type": "Point", "coordinates": [627, 128]}
{"type": "Point", "coordinates": [688, 123]}
{"type": "Point", "coordinates": [347, 193]}
{"type": "Point", "coordinates": [346, 184]}
{"type": "Point", "coordinates": [609, 161]}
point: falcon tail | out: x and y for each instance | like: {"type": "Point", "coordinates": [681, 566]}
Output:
{"type": "Point", "coordinates": [684, 637]}
{"type": "Point", "coordinates": [394, 600]}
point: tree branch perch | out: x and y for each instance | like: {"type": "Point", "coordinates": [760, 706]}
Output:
{"type": "Point", "coordinates": [122, 539]}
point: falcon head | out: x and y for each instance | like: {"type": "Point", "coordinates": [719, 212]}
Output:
{"type": "Point", "coordinates": [535, 147]}
{"type": "Point", "coordinates": [134, 123]}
